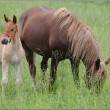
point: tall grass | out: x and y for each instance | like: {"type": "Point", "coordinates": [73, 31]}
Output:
{"type": "Point", "coordinates": [96, 15]}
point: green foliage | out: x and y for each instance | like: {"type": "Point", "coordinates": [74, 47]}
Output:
{"type": "Point", "coordinates": [94, 13]}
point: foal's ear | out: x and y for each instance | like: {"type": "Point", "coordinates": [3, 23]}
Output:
{"type": "Point", "coordinates": [97, 64]}
{"type": "Point", "coordinates": [14, 19]}
{"type": "Point", "coordinates": [6, 18]}
{"type": "Point", "coordinates": [107, 61]}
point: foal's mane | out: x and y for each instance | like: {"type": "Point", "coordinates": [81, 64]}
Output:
{"type": "Point", "coordinates": [83, 44]}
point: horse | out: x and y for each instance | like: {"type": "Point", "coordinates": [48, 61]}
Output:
{"type": "Point", "coordinates": [11, 51]}
{"type": "Point", "coordinates": [59, 35]}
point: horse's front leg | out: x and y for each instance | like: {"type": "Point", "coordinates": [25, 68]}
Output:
{"type": "Point", "coordinates": [17, 67]}
{"type": "Point", "coordinates": [44, 67]}
{"type": "Point", "coordinates": [75, 72]}
{"type": "Point", "coordinates": [54, 64]}
{"type": "Point", "coordinates": [18, 73]}
{"type": "Point", "coordinates": [4, 80]}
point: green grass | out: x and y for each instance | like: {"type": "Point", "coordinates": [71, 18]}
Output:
{"type": "Point", "coordinates": [94, 13]}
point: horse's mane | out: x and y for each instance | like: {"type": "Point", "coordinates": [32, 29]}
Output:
{"type": "Point", "coordinates": [83, 44]}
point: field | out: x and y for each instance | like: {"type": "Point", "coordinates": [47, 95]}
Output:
{"type": "Point", "coordinates": [94, 13]}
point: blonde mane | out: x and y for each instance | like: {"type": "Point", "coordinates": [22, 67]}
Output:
{"type": "Point", "coordinates": [83, 44]}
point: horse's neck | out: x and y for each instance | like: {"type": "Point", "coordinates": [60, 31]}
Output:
{"type": "Point", "coordinates": [86, 48]}
{"type": "Point", "coordinates": [89, 56]}
{"type": "Point", "coordinates": [89, 61]}
{"type": "Point", "coordinates": [15, 43]}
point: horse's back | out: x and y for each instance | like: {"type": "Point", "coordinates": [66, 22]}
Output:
{"type": "Point", "coordinates": [35, 11]}
{"type": "Point", "coordinates": [30, 15]}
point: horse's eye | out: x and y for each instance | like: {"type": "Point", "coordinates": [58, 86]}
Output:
{"type": "Point", "coordinates": [12, 29]}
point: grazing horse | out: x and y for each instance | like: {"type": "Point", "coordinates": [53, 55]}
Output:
{"type": "Point", "coordinates": [59, 35]}
{"type": "Point", "coordinates": [11, 51]}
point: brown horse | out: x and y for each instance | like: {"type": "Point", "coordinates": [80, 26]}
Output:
{"type": "Point", "coordinates": [60, 35]}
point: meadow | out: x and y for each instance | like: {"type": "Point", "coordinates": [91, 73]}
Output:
{"type": "Point", "coordinates": [94, 13]}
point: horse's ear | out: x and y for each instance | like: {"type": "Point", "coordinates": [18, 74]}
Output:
{"type": "Point", "coordinates": [14, 19]}
{"type": "Point", "coordinates": [107, 61]}
{"type": "Point", "coordinates": [97, 64]}
{"type": "Point", "coordinates": [6, 18]}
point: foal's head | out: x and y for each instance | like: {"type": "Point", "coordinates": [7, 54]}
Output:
{"type": "Point", "coordinates": [95, 78]}
{"type": "Point", "coordinates": [10, 30]}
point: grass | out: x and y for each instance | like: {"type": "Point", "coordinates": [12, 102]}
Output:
{"type": "Point", "coordinates": [95, 13]}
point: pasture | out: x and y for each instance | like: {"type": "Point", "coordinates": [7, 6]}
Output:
{"type": "Point", "coordinates": [94, 13]}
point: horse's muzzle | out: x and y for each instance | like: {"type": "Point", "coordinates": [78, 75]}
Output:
{"type": "Point", "coordinates": [5, 41]}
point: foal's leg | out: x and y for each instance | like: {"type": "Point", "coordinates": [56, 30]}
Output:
{"type": "Point", "coordinates": [44, 67]}
{"type": "Point", "coordinates": [30, 56]}
{"type": "Point", "coordinates": [75, 72]}
{"type": "Point", "coordinates": [4, 80]}
{"type": "Point", "coordinates": [54, 64]}
{"type": "Point", "coordinates": [17, 67]}
{"type": "Point", "coordinates": [18, 73]}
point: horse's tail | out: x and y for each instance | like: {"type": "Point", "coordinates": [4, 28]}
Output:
{"type": "Point", "coordinates": [24, 21]}
{"type": "Point", "coordinates": [21, 25]}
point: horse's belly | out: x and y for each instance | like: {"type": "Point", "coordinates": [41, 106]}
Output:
{"type": "Point", "coordinates": [43, 52]}
{"type": "Point", "coordinates": [39, 51]}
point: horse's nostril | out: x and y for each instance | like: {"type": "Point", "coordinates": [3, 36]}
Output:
{"type": "Point", "coordinates": [5, 41]}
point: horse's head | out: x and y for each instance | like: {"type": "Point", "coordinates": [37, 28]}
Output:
{"type": "Point", "coordinates": [10, 30]}
{"type": "Point", "coordinates": [95, 78]}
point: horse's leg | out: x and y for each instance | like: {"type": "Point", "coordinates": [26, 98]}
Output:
{"type": "Point", "coordinates": [44, 66]}
{"type": "Point", "coordinates": [17, 67]}
{"type": "Point", "coordinates": [18, 73]}
{"type": "Point", "coordinates": [32, 67]}
{"type": "Point", "coordinates": [75, 71]}
{"type": "Point", "coordinates": [30, 57]}
{"type": "Point", "coordinates": [54, 64]}
{"type": "Point", "coordinates": [4, 80]}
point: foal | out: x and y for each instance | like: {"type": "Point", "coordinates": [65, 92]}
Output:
{"type": "Point", "coordinates": [10, 50]}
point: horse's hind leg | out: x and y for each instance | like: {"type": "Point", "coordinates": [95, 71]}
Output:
{"type": "Point", "coordinates": [44, 66]}
{"type": "Point", "coordinates": [54, 64]}
{"type": "Point", "coordinates": [30, 56]}
{"type": "Point", "coordinates": [75, 71]}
